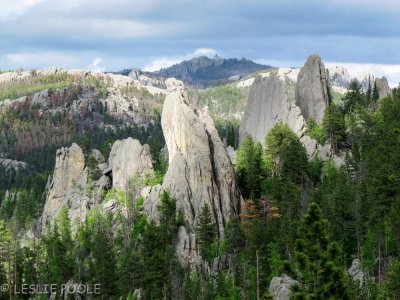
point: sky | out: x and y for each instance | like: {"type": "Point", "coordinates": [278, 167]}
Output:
{"type": "Point", "coordinates": [363, 35]}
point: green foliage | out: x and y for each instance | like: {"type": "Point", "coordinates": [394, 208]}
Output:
{"type": "Point", "coordinates": [153, 179]}
{"type": "Point", "coordinates": [315, 131]}
{"type": "Point", "coordinates": [206, 232]}
{"type": "Point", "coordinates": [248, 166]}
{"type": "Point", "coordinates": [31, 85]}
{"type": "Point", "coordinates": [334, 126]}
{"type": "Point", "coordinates": [284, 155]}
{"type": "Point", "coordinates": [317, 261]}
{"type": "Point", "coordinates": [93, 168]}
{"type": "Point", "coordinates": [393, 283]}
{"type": "Point", "coordinates": [117, 195]}
{"type": "Point", "coordinates": [354, 96]}
{"type": "Point", "coordinates": [221, 100]}
{"type": "Point", "coordinates": [228, 130]}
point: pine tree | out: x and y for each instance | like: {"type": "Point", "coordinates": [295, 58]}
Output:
{"type": "Point", "coordinates": [354, 96]}
{"type": "Point", "coordinates": [375, 93]}
{"type": "Point", "coordinates": [285, 156]}
{"type": "Point", "coordinates": [205, 232]}
{"type": "Point", "coordinates": [334, 126]}
{"type": "Point", "coordinates": [368, 93]}
{"type": "Point", "coordinates": [248, 166]}
{"type": "Point", "coordinates": [317, 261]}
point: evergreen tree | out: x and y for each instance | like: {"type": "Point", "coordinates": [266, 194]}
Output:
{"type": "Point", "coordinates": [285, 156]}
{"type": "Point", "coordinates": [205, 232]}
{"type": "Point", "coordinates": [354, 96]}
{"type": "Point", "coordinates": [368, 93]}
{"type": "Point", "coordinates": [248, 167]}
{"type": "Point", "coordinates": [317, 266]}
{"type": "Point", "coordinates": [334, 126]}
{"type": "Point", "coordinates": [375, 93]}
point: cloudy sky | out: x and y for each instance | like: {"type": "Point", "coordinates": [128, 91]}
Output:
{"type": "Point", "coordinates": [112, 35]}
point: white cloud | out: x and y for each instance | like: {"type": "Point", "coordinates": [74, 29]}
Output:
{"type": "Point", "coordinates": [391, 72]}
{"type": "Point", "coordinates": [204, 52]}
{"type": "Point", "coordinates": [11, 9]}
{"type": "Point", "coordinates": [165, 62]}
{"type": "Point", "coordinates": [96, 65]}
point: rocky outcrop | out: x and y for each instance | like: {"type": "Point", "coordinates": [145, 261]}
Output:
{"type": "Point", "coordinates": [356, 272]}
{"type": "Point", "coordinates": [70, 186]}
{"type": "Point", "coordinates": [127, 158]}
{"type": "Point", "coordinates": [8, 164]}
{"type": "Point", "coordinates": [200, 172]}
{"type": "Point", "coordinates": [279, 288]}
{"type": "Point", "coordinates": [383, 87]}
{"type": "Point", "coordinates": [271, 101]}
{"type": "Point", "coordinates": [66, 186]}
{"type": "Point", "coordinates": [42, 99]}
{"type": "Point", "coordinates": [268, 103]}
{"type": "Point", "coordinates": [311, 89]}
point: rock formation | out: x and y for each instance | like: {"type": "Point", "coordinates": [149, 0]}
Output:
{"type": "Point", "coordinates": [8, 164]}
{"type": "Point", "coordinates": [279, 288]}
{"type": "Point", "coordinates": [383, 87]}
{"type": "Point", "coordinates": [70, 184]}
{"type": "Point", "coordinates": [271, 101]}
{"type": "Point", "coordinates": [311, 89]}
{"type": "Point", "coordinates": [66, 186]}
{"type": "Point", "coordinates": [268, 103]}
{"type": "Point", "coordinates": [200, 172]}
{"type": "Point", "coordinates": [127, 158]}
{"type": "Point", "coordinates": [356, 272]}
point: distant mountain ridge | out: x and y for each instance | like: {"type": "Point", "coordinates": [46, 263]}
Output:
{"type": "Point", "coordinates": [203, 71]}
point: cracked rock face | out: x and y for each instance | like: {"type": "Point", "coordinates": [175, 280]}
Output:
{"type": "Point", "coordinates": [269, 102]}
{"type": "Point", "coordinates": [311, 89]}
{"type": "Point", "coordinates": [127, 158]}
{"type": "Point", "coordinates": [200, 172]}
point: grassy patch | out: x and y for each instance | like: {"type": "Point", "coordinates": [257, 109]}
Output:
{"type": "Point", "coordinates": [31, 85]}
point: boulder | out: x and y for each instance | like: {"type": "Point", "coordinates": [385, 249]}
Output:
{"type": "Point", "coordinates": [312, 89]}
{"type": "Point", "coordinates": [42, 99]}
{"type": "Point", "coordinates": [279, 287]}
{"type": "Point", "coordinates": [8, 164]}
{"type": "Point", "coordinates": [356, 272]}
{"type": "Point", "coordinates": [127, 158]}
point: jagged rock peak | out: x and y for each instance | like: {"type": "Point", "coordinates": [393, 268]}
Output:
{"type": "Point", "coordinates": [311, 89]}
{"type": "Point", "coordinates": [69, 174]}
{"type": "Point", "coordinates": [383, 87]}
{"type": "Point", "coordinates": [127, 158]}
{"type": "Point", "coordinates": [200, 172]}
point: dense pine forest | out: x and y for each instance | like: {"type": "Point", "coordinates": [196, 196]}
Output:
{"type": "Point", "coordinates": [307, 219]}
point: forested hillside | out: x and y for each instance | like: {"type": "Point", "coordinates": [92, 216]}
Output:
{"type": "Point", "coordinates": [303, 220]}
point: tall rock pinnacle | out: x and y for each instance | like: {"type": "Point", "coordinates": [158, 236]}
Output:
{"type": "Point", "coordinates": [312, 89]}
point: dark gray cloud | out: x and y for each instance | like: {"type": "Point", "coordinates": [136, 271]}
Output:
{"type": "Point", "coordinates": [127, 33]}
